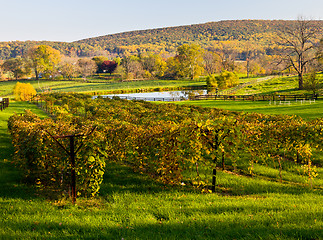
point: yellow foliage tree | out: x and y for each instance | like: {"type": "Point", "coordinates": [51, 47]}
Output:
{"type": "Point", "coordinates": [23, 91]}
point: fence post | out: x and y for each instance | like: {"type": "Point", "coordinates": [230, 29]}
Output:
{"type": "Point", "coordinates": [213, 180]}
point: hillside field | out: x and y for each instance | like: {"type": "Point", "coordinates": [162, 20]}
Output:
{"type": "Point", "coordinates": [132, 206]}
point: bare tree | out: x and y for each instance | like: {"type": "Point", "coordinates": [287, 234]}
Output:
{"type": "Point", "coordinates": [227, 57]}
{"type": "Point", "coordinates": [69, 67]}
{"type": "Point", "coordinates": [87, 67]}
{"type": "Point", "coordinates": [250, 55]}
{"type": "Point", "coordinates": [320, 55]}
{"type": "Point", "coordinates": [298, 46]}
{"type": "Point", "coordinates": [211, 62]}
{"type": "Point", "coordinates": [132, 67]}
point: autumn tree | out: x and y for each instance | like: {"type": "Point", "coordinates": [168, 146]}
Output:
{"type": "Point", "coordinates": [191, 60]}
{"type": "Point", "coordinates": [99, 61]}
{"type": "Point", "coordinates": [69, 67]}
{"type": "Point", "coordinates": [1, 70]}
{"type": "Point", "coordinates": [132, 67]}
{"type": "Point", "coordinates": [153, 64]}
{"type": "Point", "coordinates": [312, 83]}
{"type": "Point", "coordinates": [121, 72]}
{"type": "Point", "coordinates": [44, 59]}
{"type": "Point", "coordinates": [14, 66]}
{"type": "Point", "coordinates": [211, 62]}
{"type": "Point", "coordinates": [109, 66]}
{"type": "Point", "coordinates": [173, 68]}
{"type": "Point", "coordinates": [23, 91]}
{"type": "Point", "coordinates": [227, 57]}
{"type": "Point", "coordinates": [87, 67]}
{"type": "Point", "coordinates": [256, 68]}
{"type": "Point", "coordinates": [250, 55]}
{"type": "Point", "coordinates": [319, 53]}
{"type": "Point", "coordinates": [227, 80]}
{"type": "Point", "coordinates": [212, 81]}
{"type": "Point", "coordinates": [298, 46]}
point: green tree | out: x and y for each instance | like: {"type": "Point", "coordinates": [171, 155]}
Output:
{"type": "Point", "coordinates": [44, 59]}
{"type": "Point", "coordinates": [191, 60]}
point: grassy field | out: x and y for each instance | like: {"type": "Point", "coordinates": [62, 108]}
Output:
{"type": "Point", "coordinates": [131, 206]}
{"type": "Point", "coordinates": [102, 86]}
{"type": "Point", "coordinates": [282, 85]}
{"type": "Point", "coordinates": [307, 110]}
{"type": "Point", "coordinates": [97, 85]}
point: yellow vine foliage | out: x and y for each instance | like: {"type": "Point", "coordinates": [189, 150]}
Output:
{"type": "Point", "coordinates": [23, 91]}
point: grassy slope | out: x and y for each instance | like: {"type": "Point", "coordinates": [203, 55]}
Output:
{"type": "Point", "coordinates": [131, 206]}
{"type": "Point", "coordinates": [306, 110]}
{"type": "Point", "coordinates": [282, 85]}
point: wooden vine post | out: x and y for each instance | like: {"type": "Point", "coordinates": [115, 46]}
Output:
{"type": "Point", "coordinates": [73, 178]}
{"type": "Point", "coordinates": [71, 153]}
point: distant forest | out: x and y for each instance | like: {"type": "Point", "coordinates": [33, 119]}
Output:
{"type": "Point", "coordinates": [237, 35]}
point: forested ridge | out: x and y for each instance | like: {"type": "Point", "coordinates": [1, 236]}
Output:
{"type": "Point", "coordinates": [260, 35]}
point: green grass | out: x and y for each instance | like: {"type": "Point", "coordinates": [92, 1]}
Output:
{"type": "Point", "coordinates": [282, 85]}
{"type": "Point", "coordinates": [9, 176]}
{"type": "Point", "coordinates": [132, 206]}
{"type": "Point", "coordinates": [6, 87]}
{"type": "Point", "coordinates": [306, 110]}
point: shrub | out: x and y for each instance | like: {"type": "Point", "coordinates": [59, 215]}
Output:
{"type": "Point", "coordinates": [312, 83]}
{"type": "Point", "coordinates": [23, 91]}
{"type": "Point", "coordinates": [212, 81]}
{"type": "Point", "coordinates": [227, 79]}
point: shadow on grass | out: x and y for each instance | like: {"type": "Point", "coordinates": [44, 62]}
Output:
{"type": "Point", "coordinates": [119, 178]}
{"type": "Point", "coordinates": [11, 183]}
{"type": "Point", "coordinates": [188, 229]}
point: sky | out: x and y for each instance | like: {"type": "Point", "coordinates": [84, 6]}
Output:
{"type": "Point", "coordinates": [72, 20]}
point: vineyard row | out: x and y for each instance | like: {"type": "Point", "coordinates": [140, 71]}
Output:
{"type": "Point", "coordinates": [172, 144]}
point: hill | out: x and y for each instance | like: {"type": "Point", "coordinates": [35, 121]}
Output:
{"type": "Point", "coordinates": [238, 34]}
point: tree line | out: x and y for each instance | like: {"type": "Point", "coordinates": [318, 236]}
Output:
{"type": "Point", "coordinates": [190, 61]}
{"type": "Point", "coordinates": [298, 54]}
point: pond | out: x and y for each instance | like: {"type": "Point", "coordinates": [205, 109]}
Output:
{"type": "Point", "coordinates": [158, 96]}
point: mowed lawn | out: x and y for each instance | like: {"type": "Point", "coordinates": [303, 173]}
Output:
{"type": "Point", "coordinates": [132, 206]}
{"type": "Point", "coordinates": [307, 110]}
